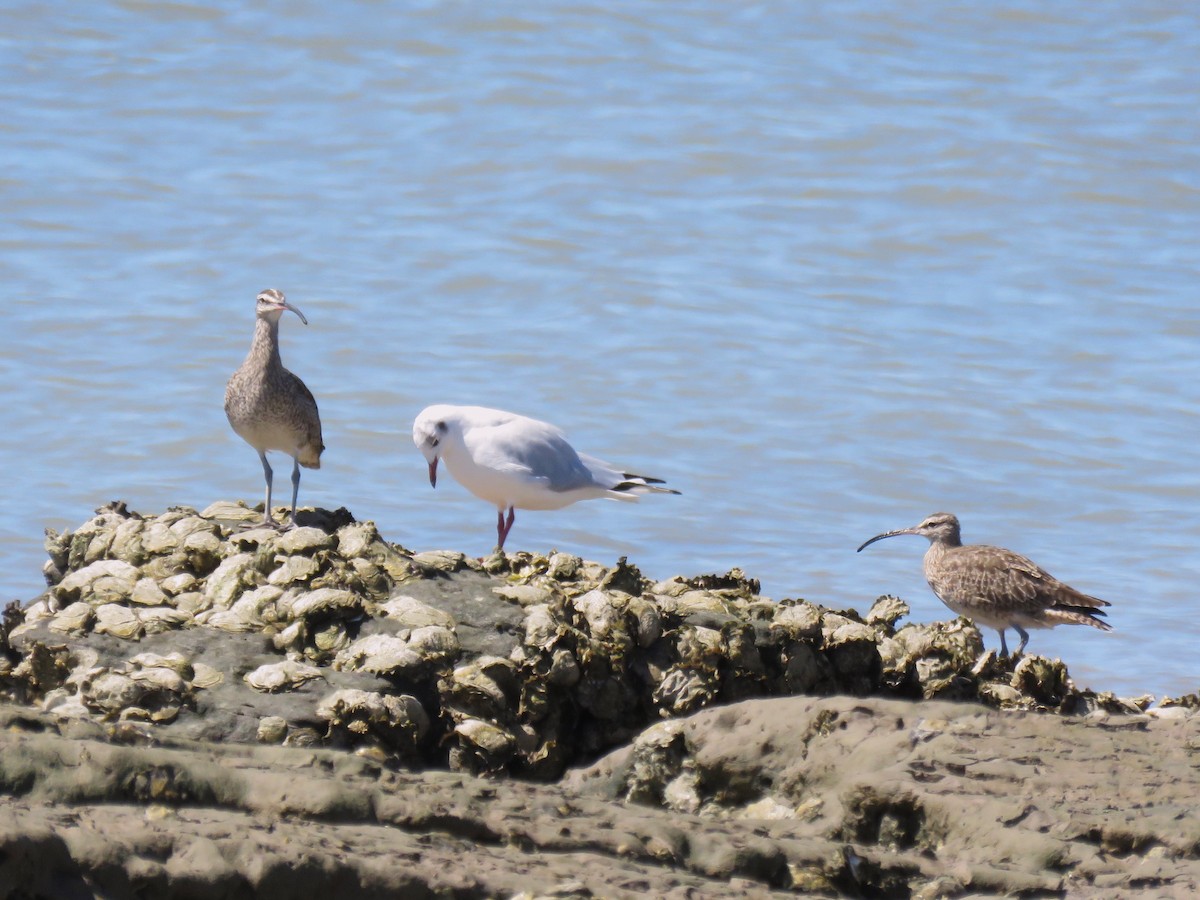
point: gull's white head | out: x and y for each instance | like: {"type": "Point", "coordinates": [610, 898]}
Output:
{"type": "Point", "coordinates": [430, 430]}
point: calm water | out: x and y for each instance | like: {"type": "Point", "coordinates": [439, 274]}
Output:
{"type": "Point", "coordinates": [826, 269]}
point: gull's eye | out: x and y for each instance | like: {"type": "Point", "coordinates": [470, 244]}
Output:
{"type": "Point", "coordinates": [433, 442]}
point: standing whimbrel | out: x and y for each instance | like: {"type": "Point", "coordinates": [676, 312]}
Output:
{"type": "Point", "coordinates": [268, 406]}
{"type": "Point", "coordinates": [996, 587]}
{"type": "Point", "coordinates": [518, 463]}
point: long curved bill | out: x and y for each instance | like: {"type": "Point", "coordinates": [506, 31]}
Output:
{"type": "Point", "coordinates": [433, 472]}
{"type": "Point", "coordinates": [284, 303]}
{"type": "Point", "coordinates": [287, 305]}
{"type": "Point", "coordinates": [886, 534]}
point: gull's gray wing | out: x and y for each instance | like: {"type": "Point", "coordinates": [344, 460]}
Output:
{"type": "Point", "coordinates": [537, 450]}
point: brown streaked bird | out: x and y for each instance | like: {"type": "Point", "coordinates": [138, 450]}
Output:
{"type": "Point", "coordinates": [996, 587]}
{"type": "Point", "coordinates": [268, 406]}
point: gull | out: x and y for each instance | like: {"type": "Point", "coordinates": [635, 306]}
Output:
{"type": "Point", "coordinates": [996, 587]}
{"type": "Point", "coordinates": [518, 463]}
{"type": "Point", "coordinates": [268, 406]}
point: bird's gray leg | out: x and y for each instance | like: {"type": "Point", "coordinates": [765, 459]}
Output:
{"type": "Point", "coordinates": [1024, 638]}
{"type": "Point", "coordinates": [268, 475]}
{"type": "Point", "coordinates": [295, 485]}
{"type": "Point", "coordinates": [1003, 646]}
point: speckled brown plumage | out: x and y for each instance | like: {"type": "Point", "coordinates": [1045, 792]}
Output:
{"type": "Point", "coordinates": [996, 587]}
{"type": "Point", "coordinates": [268, 406]}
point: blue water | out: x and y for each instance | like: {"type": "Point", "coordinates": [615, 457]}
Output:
{"type": "Point", "coordinates": [825, 269]}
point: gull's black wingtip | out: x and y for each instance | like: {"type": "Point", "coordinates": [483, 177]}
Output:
{"type": "Point", "coordinates": [644, 478]}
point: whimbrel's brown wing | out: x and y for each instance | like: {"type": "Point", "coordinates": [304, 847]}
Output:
{"type": "Point", "coordinates": [307, 418]}
{"type": "Point", "coordinates": [992, 578]}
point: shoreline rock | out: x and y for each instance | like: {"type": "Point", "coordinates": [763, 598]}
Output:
{"type": "Point", "coordinates": [204, 624]}
{"type": "Point", "coordinates": [200, 633]}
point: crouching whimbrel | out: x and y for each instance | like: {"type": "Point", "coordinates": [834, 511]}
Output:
{"type": "Point", "coordinates": [996, 587]}
{"type": "Point", "coordinates": [268, 406]}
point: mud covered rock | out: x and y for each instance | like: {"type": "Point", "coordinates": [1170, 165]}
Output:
{"type": "Point", "coordinates": [820, 796]}
{"type": "Point", "coordinates": [931, 799]}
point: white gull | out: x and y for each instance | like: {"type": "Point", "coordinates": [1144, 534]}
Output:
{"type": "Point", "coordinates": [516, 462]}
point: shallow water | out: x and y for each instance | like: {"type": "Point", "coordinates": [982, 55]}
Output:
{"type": "Point", "coordinates": [826, 270]}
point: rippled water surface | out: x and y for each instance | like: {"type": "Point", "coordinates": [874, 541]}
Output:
{"type": "Point", "coordinates": [826, 268]}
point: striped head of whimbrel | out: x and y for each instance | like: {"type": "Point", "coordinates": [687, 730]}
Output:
{"type": "Point", "coordinates": [268, 406]}
{"type": "Point", "coordinates": [996, 587]}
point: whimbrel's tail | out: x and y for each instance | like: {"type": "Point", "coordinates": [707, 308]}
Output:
{"type": "Point", "coordinates": [1075, 608]}
{"type": "Point", "coordinates": [1075, 615]}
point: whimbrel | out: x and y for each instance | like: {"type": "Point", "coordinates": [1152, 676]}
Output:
{"type": "Point", "coordinates": [996, 587]}
{"type": "Point", "coordinates": [518, 463]}
{"type": "Point", "coordinates": [268, 406]}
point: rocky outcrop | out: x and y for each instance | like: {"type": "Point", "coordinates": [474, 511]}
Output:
{"type": "Point", "coordinates": [203, 625]}
{"type": "Point", "coordinates": [198, 706]}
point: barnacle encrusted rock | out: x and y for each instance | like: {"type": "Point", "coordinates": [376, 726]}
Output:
{"type": "Point", "coordinates": [394, 722]}
{"type": "Point", "coordinates": [282, 676]}
{"type": "Point", "coordinates": [206, 624]}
